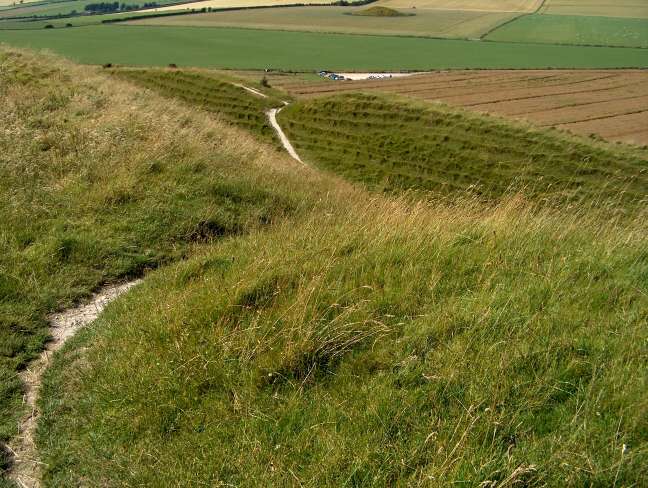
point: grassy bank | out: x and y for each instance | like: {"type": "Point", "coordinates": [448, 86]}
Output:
{"type": "Point", "coordinates": [393, 144]}
{"type": "Point", "coordinates": [261, 49]}
{"type": "Point", "coordinates": [98, 183]}
{"type": "Point", "coordinates": [300, 331]}
{"type": "Point", "coordinates": [217, 95]}
{"type": "Point", "coordinates": [373, 343]}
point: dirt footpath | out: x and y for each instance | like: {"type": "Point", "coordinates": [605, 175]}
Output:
{"type": "Point", "coordinates": [25, 468]}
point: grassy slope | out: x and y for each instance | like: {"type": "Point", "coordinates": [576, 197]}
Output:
{"type": "Point", "coordinates": [98, 183]}
{"type": "Point", "coordinates": [241, 48]}
{"type": "Point", "coordinates": [391, 144]}
{"type": "Point", "coordinates": [233, 103]}
{"type": "Point", "coordinates": [567, 29]}
{"type": "Point", "coordinates": [372, 344]}
{"type": "Point", "coordinates": [362, 341]}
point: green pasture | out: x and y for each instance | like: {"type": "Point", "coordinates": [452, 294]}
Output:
{"type": "Point", "coordinates": [572, 29]}
{"type": "Point", "coordinates": [250, 49]}
{"type": "Point", "coordinates": [605, 8]}
{"type": "Point", "coordinates": [75, 21]}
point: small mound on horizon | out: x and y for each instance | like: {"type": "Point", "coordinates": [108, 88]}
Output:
{"type": "Point", "coordinates": [381, 12]}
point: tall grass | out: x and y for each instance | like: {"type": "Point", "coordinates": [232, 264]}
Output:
{"type": "Point", "coordinates": [303, 332]}
{"type": "Point", "coordinates": [373, 343]}
{"type": "Point", "coordinates": [98, 183]}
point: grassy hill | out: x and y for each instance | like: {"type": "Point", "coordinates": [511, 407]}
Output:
{"type": "Point", "coordinates": [393, 144]}
{"type": "Point", "coordinates": [99, 182]}
{"type": "Point", "coordinates": [233, 103]}
{"type": "Point", "coordinates": [300, 331]}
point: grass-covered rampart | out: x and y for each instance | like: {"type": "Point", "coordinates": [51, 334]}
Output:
{"type": "Point", "coordinates": [99, 183]}
{"type": "Point", "coordinates": [374, 343]}
{"type": "Point", "coordinates": [391, 143]}
{"type": "Point", "coordinates": [232, 103]}
{"type": "Point", "coordinates": [313, 333]}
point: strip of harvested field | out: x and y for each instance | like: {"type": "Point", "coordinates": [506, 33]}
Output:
{"type": "Point", "coordinates": [592, 111]}
{"type": "Point", "coordinates": [465, 78]}
{"type": "Point", "coordinates": [474, 100]}
{"type": "Point", "coordinates": [628, 128]}
{"type": "Point", "coordinates": [602, 117]}
{"type": "Point", "coordinates": [425, 82]}
{"type": "Point", "coordinates": [476, 87]}
{"type": "Point", "coordinates": [537, 105]}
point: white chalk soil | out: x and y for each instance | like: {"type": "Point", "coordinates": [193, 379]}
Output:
{"type": "Point", "coordinates": [272, 117]}
{"type": "Point", "coordinates": [25, 468]}
{"type": "Point", "coordinates": [254, 91]}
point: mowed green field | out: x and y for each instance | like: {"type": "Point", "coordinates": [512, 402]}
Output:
{"type": "Point", "coordinates": [254, 49]}
{"type": "Point", "coordinates": [606, 8]}
{"type": "Point", "coordinates": [76, 21]}
{"type": "Point", "coordinates": [450, 23]}
{"type": "Point", "coordinates": [573, 29]}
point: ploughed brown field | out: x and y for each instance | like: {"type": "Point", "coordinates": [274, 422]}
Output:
{"type": "Point", "coordinates": [610, 104]}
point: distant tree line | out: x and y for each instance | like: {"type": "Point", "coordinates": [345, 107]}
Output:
{"type": "Point", "coordinates": [107, 7]}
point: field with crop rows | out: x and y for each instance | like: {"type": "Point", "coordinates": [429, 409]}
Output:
{"type": "Point", "coordinates": [434, 23]}
{"type": "Point", "coordinates": [610, 104]}
{"type": "Point", "coordinates": [605, 8]}
{"type": "Point", "coordinates": [233, 103]}
{"type": "Point", "coordinates": [394, 144]}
